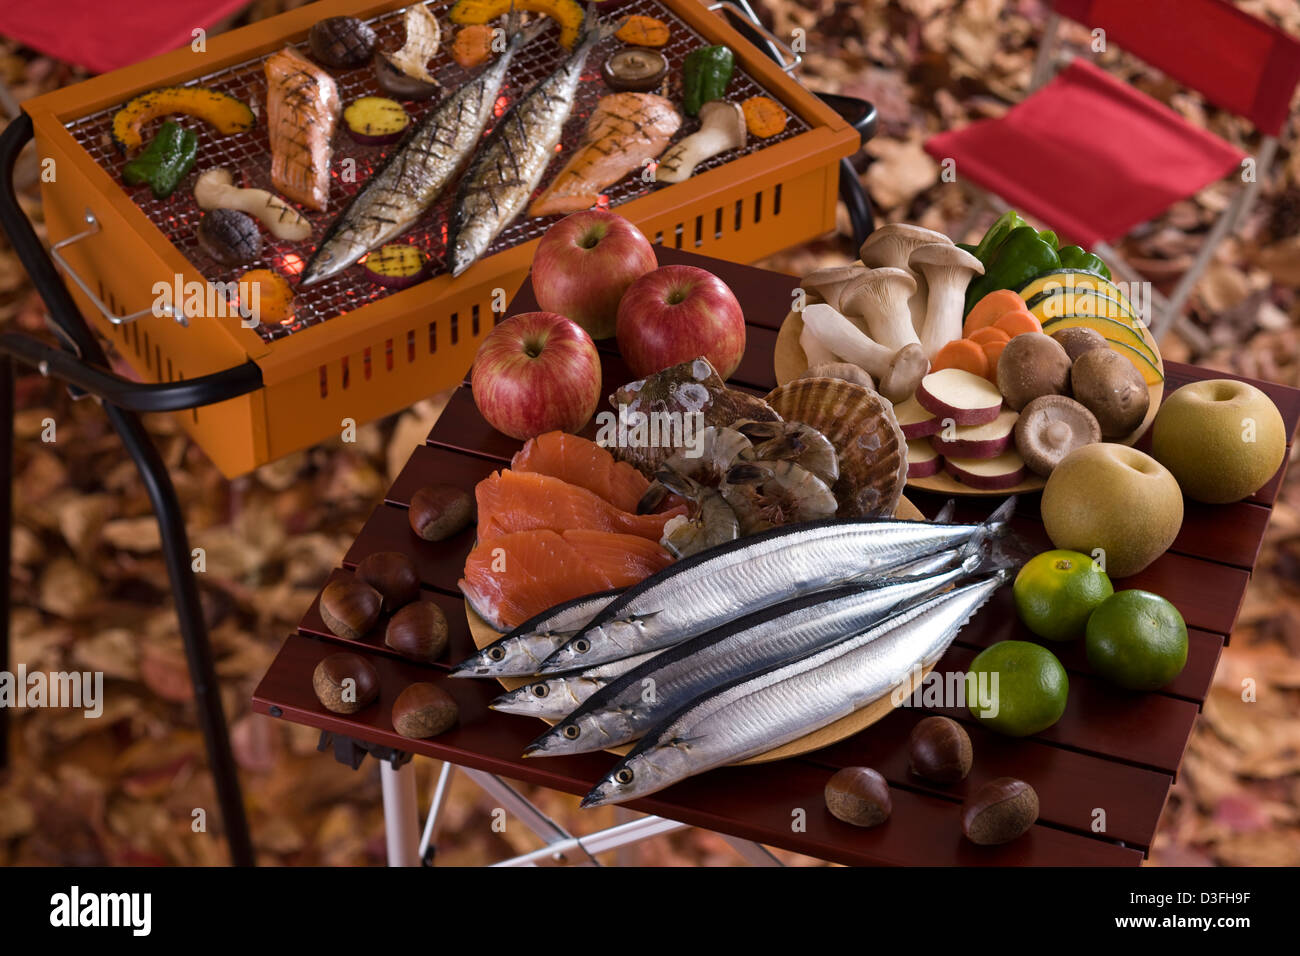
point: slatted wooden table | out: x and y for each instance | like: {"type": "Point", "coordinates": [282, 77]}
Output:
{"type": "Point", "coordinates": [1112, 750]}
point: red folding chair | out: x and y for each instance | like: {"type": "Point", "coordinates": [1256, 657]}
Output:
{"type": "Point", "coordinates": [1092, 157]}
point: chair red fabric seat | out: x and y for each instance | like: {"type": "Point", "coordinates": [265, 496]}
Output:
{"type": "Point", "coordinates": [1088, 155]}
{"type": "Point", "coordinates": [103, 36]}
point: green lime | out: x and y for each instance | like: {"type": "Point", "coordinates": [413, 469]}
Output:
{"type": "Point", "coordinates": [1057, 590]}
{"type": "Point", "coordinates": [1023, 685]}
{"type": "Point", "coordinates": [1137, 640]}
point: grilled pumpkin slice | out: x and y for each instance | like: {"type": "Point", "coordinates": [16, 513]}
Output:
{"type": "Point", "coordinates": [567, 13]}
{"type": "Point", "coordinates": [225, 113]}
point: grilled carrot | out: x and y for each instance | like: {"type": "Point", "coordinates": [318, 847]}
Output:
{"type": "Point", "coordinates": [763, 116]}
{"type": "Point", "coordinates": [643, 31]}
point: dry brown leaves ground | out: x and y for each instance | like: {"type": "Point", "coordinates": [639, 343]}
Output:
{"type": "Point", "coordinates": [90, 590]}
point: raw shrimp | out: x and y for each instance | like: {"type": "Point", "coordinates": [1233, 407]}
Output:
{"type": "Point", "coordinates": [718, 449]}
{"type": "Point", "coordinates": [768, 494]}
{"type": "Point", "coordinates": [709, 523]}
{"type": "Point", "coordinates": [791, 441]}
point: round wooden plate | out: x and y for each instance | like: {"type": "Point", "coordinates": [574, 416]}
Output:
{"type": "Point", "coordinates": [790, 363]}
{"type": "Point", "coordinates": [484, 635]}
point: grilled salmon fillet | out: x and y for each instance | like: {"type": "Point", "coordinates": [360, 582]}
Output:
{"type": "Point", "coordinates": [302, 111]}
{"type": "Point", "coordinates": [624, 131]}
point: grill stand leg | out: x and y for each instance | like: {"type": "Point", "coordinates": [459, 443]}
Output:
{"type": "Point", "coordinates": [194, 631]}
{"type": "Point", "coordinates": [6, 530]}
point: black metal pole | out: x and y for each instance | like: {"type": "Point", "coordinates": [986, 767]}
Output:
{"type": "Point", "coordinates": [175, 542]}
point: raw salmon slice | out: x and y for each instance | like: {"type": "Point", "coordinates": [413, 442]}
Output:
{"type": "Point", "coordinates": [510, 501]}
{"type": "Point", "coordinates": [516, 576]}
{"type": "Point", "coordinates": [626, 558]}
{"type": "Point", "coordinates": [585, 464]}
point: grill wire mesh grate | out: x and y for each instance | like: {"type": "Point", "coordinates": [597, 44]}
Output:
{"type": "Point", "coordinates": [248, 156]}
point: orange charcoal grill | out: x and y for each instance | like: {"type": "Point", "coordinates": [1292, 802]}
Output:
{"type": "Point", "coordinates": [355, 350]}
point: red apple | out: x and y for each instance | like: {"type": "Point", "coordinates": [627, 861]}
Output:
{"type": "Point", "coordinates": [585, 263]}
{"type": "Point", "coordinates": [677, 313]}
{"type": "Point", "coordinates": [534, 373]}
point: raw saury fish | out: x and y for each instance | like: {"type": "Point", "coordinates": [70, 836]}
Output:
{"type": "Point", "coordinates": [765, 710]}
{"type": "Point", "coordinates": [554, 697]}
{"type": "Point", "coordinates": [521, 651]}
{"type": "Point", "coordinates": [705, 590]}
{"type": "Point", "coordinates": [622, 711]}
{"type": "Point", "coordinates": [302, 110]}
{"type": "Point", "coordinates": [583, 463]}
{"type": "Point", "coordinates": [509, 166]}
{"type": "Point", "coordinates": [414, 176]}
{"type": "Point", "coordinates": [513, 577]}
{"type": "Point", "coordinates": [625, 130]}
{"type": "Point", "coordinates": [510, 501]}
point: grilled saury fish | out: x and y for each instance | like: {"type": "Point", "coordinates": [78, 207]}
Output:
{"type": "Point", "coordinates": [421, 167]}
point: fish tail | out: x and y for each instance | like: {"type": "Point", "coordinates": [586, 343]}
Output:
{"type": "Point", "coordinates": [945, 514]}
{"type": "Point", "coordinates": [1002, 554]}
{"type": "Point", "coordinates": [594, 29]}
{"type": "Point", "coordinates": [998, 525]}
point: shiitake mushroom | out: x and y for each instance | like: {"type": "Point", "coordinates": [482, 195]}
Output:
{"type": "Point", "coordinates": [229, 236]}
{"type": "Point", "coordinates": [341, 42]}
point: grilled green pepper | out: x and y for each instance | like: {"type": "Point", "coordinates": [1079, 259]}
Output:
{"type": "Point", "coordinates": [1076, 257]}
{"type": "Point", "coordinates": [165, 161]}
{"type": "Point", "coordinates": [705, 75]}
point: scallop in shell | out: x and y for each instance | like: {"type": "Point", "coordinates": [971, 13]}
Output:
{"type": "Point", "coordinates": [862, 427]}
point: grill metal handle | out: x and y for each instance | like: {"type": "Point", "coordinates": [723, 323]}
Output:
{"type": "Point", "coordinates": [789, 60]}
{"type": "Point", "coordinates": [71, 273]}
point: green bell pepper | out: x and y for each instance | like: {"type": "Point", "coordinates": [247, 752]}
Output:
{"type": "Point", "coordinates": [997, 234]}
{"type": "Point", "coordinates": [705, 75]}
{"type": "Point", "coordinates": [1075, 257]}
{"type": "Point", "coordinates": [165, 161]}
{"type": "Point", "coordinates": [1023, 254]}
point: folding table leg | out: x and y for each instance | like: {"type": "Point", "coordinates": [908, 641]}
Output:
{"type": "Point", "coordinates": [6, 529]}
{"type": "Point", "coordinates": [401, 813]}
{"type": "Point", "coordinates": [515, 803]}
{"type": "Point", "coordinates": [751, 851]}
{"type": "Point", "coordinates": [427, 847]}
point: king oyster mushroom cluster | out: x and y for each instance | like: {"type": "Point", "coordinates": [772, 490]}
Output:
{"type": "Point", "coordinates": [890, 312]}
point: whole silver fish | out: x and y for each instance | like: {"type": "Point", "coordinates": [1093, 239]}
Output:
{"type": "Point", "coordinates": [758, 713]}
{"type": "Point", "coordinates": [511, 163]}
{"type": "Point", "coordinates": [520, 652]}
{"type": "Point", "coordinates": [636, 701]}
{"type": "Point", "coordinates": [556, 697]}
{"type": "Point", "coordinates": [415, 175]}
{"type": "Point", "coordinates": [708, 589]}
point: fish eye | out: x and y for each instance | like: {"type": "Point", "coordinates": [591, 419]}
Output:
{"type": "Point", "coordinates": [571, 731]}
{"type": "Point", "coordinates": [496, 653]}
{"type": "Point", "coordinates": [582, 645]}
{"type": "Point", "coordinates": [624, 776]}
{"type": "Point", "coordinates": [540, 690]}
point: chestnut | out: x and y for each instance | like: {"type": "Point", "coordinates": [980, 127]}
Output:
{"type": "Point", "coordinates": [418, 631]}
{"type": "Point", "coordinates": [350, 607]}
{"type": "Point", "coordinates": [860, 796]}
{"type": "Point", "coordinates": [424, 710]}
{"type": "Point", "coordinates": [939, 749]}
{"type": "Point", "coordinates": [345, 682]}
{"type": "Point", "coordinates": [393, 575]}
{"type": "Point", "coordinates": [439, 511]}
{"type": "Point", "coordinates": [999, 811]}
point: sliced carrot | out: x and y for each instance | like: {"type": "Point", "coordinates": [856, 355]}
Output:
{"type": "Point", "coordinates": [993, 352]}
{"type": "Point", "coordinates": [988, 334]}
{"type": "Point", "coordinates": [764, 117]}
{"type": "Point", "coordinates": [963, 354]}
{"type": "Point", "coordinates": [989, 309]}
{"type": "Point", "coordinates": [639, 30]}
{"type": "Point", "coordinates": [1018, 323]}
